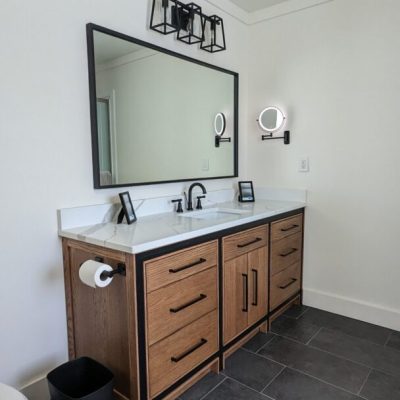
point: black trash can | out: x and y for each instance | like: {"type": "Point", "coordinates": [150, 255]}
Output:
{"type": "Point", "coordinates": [83, 379]}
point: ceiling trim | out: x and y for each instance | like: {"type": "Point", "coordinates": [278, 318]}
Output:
{"type": "Point", "coordinates": [278, 10]}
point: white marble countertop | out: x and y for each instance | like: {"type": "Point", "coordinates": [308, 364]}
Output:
{"type": "Point", "coordinates": [157, 230]}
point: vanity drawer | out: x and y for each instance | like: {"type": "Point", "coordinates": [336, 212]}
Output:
{"type": "Point", "coordinates": [286, 227]}
{"type": "Point", "coordinates": [285, 252]}
{"type": "Point", "coordinates": [176, 305]}
{"type": "Point", "coordinates": [284, 285]}
{"type": "Point", "coordinates": [171, 268]}
{"type": "Point", "coordinates": [173, 357]}
{"type": "Point", "coordinates": [244, 242]}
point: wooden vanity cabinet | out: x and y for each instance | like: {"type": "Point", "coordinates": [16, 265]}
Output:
{"type": "Point", "coordinates": [245, 280]}
{"type": "Point", "coordinates": [286, 260]}
{"type": "Point", "coordinates": [181, 313]}
{"type": "Point", "coordinates": [182, 309]}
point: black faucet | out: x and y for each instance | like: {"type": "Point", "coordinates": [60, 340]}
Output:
{"type": "Point", "coordinates": [189, 200]}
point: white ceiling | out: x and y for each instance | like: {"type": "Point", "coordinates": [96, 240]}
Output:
{"type": "Point", "coordinates": [255, 5]}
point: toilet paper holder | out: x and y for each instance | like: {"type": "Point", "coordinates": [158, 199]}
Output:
{"type": "Point", "coordinates": [120, 270]}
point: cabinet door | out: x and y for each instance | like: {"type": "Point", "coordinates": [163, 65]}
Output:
{"type": "Point", "coordinates": [258, 284]}
{"type": "Point", "coordinates": [236, 305]}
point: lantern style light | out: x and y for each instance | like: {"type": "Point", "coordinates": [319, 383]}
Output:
{"type": "Point", "coordinates": [214, 34]}
{"type": "Point", "coordinates": [165, 16]}
{"type": "Point", "coordinates": [191, 24]}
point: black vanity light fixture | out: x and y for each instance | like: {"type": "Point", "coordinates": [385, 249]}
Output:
{"type": "Point", "coordinates": [214, 34]}
{"type": "Point", "coordinates": [188, 20]}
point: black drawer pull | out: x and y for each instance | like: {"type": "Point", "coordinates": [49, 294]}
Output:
{"type": "Point", "coordinates": [249, 243]}
{"type": "Point", "coordinates": [255, 287]}
{"type": "Point", "coordinates": [289, 228]}
{"type": "Point", "coordinates": [293, 280]}
{"type": "Point", "coordinates": [201, 261]}
{"type": "Point", "coordinates": [245, 293]}
{"type": "Point", "coordinates": [288, 253]}
{"type": "Point", "coordinates": [190, 303]}
{"type": "Point", "coordinates": [189, 351]}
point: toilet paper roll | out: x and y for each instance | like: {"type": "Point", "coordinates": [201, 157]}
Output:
{"type": "Point", "coordinates": [90, 272]}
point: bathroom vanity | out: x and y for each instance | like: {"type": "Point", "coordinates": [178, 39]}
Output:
{"type": "Point", "coordinates": [185, 306]}
{"type": "Point", "coordinates": [197, 285]}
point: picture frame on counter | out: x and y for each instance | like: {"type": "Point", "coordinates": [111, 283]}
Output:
{"type": "Point", "coordinates": [127, 209]}
{"type": "Point", "coordinates": [246, 192]}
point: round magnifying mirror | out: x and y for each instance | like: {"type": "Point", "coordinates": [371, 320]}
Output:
{"type": "Point", "coordinates": [219, 124]}
{"type": "Point", "coordinates": [271, 119]}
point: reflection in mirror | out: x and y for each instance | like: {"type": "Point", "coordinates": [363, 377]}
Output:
{"type": "Point", "coordinates": [153, 115]}
{"type": "Point", "coordinates": [219, 124]}
{"type": "Point", "coordinates": [271, 119]}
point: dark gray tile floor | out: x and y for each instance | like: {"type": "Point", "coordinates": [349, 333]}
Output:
{"type": "Point", "coordinates": [310, 354]}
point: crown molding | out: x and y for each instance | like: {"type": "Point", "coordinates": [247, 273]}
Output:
{"type": "Point", "coordinates": [278, 10]}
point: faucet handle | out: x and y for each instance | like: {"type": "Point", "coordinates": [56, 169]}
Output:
{"type": "Point", "coordinates": [179, 208]}
{"type": "Point", "coordinates": [199, 206]}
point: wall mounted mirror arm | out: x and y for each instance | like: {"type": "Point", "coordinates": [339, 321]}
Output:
{"type": "Point", "coordinates": [285, 137]}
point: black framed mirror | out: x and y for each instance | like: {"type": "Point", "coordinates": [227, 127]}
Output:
{"type": "Point", "coordinates": [153, 113]}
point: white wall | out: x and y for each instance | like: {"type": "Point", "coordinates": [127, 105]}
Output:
{"type": "Point", "coordinates": [335, 70]}
{"type": "Point", "coordinates": [46, 158]}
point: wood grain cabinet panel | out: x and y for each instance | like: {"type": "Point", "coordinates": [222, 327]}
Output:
{"type": "Point", "coordinates": [284, 285]}
{"type": "Point", "coordinates": [285, 227]}
{"type": "Point", "coordinates": [258, 284]}
{"type": "Point", "coordinates": [245, 280]}
{"type": "Point", "coordinates": [176, 305]}
{"type": "Point", "coordinates": [286, 252]}
{"type": "Point", "coordinates": [171, 268]}
{"type": "Point", "coordinates": [235, 297]}
{"type": "Point", "coordinates": [176, 355]}
{"type": "Point", "coordinates": [243, 242]}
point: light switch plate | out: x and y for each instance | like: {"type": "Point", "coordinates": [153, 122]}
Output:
{"type": "Point", "coordinates": [304, 164]}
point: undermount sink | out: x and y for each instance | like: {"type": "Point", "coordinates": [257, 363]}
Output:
{"type": "Point", "coordinates": [214, 213]}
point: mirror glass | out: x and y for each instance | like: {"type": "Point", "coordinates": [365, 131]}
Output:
{"type": "Point", "coordinates": [155, 111]}
{"type": "Point", "coordinates": [219, 124]}
{"type": "Point", "coordinates": [271, 119]}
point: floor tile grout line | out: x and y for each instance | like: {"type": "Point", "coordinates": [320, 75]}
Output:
{"type": "Point", "coordinates": [388, 339]}
{"type": "Point", "coordinates": [248, 387]}
{"type": "Point", "coordinates": [218, 384]}
{"type": "Point", "coordinates": [273, 379]}
{"type": "Point", "coordinates": [314, 336]}
{"type": "Point", "coordinates": [354, 362]}
{"type": "Point", "coordinates": [323, 381]}
{"type": "Point", "coordinates": [290, 338]}
{"type": "Point", "coordinates": [366, 341]}
{"type": "Point", "coordinates": [260, 355]}
{"type": "Point", "coordinates": [303, 312]}
{"type": "Point", "coordinates": [315, 377]}
{"type": "Point", "coordinates": [365, 381]}
{"type": "Point", "coordinates": [339, 356]}
{"type": "Point", "coordinates": [266, 342]}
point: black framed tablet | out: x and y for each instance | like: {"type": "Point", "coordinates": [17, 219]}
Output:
{"type": "Point", "coordinates": [127, 208]}
{"type": "Point", "coordinates": [246, 192]}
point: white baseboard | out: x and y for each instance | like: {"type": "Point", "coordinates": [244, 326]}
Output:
{"type": "Point", "coordinates": [362, 310]}
{"type": "Point", "coordinates": [37, 390]}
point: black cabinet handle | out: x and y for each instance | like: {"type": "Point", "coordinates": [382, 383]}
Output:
{"type": "Point", "coordinates": [249, 243]}
{"type": "Point", "coordinates": [174, 271]}
{"type": "Point", "coordinates": [255, 287]}
{"type": "Point", "coordinates": [289, 252]}
{"type": "Point", "coordinates": [293, 280]}
{"type": "Point", "coordinates": [190, 303]}
{"type": "Point", "coordinates": [189, 351]}
{"type": "Point", "coordinates": [289, 228]}
{"type": "Point", "coordinates": [245, 293]}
